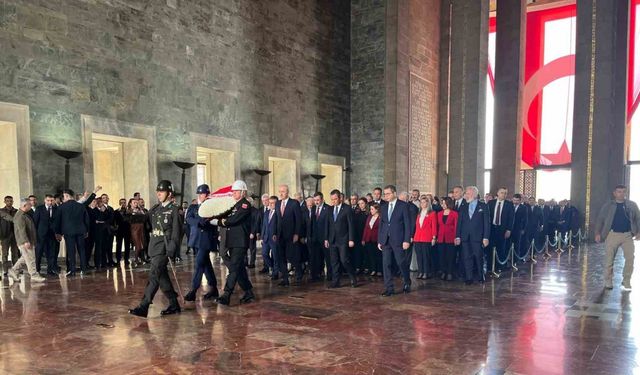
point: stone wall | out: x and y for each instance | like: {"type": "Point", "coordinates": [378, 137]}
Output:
{"type": "Point", "coordinates": [367, 93]}
{"type": "Point", "coordinates": [273, 72]}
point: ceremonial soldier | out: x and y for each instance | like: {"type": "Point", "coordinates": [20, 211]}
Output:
{"type": "Point", "coordinates": [163, 244]}
{"type": "Point", "coordinates": [203, 239]}
{"type": "Point", "coordinates": [238, 223]}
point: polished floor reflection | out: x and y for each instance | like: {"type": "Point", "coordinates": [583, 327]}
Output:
{"type": "Point", "coordinates": [549, 318]}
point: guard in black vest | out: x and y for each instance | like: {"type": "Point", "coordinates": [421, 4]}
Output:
{"type": "Point", "coordinates": [238, 223]}
{"type": "Point", "coordinates": [163, 244]}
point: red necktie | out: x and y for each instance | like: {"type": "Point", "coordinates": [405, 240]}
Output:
{"type": "Point", "coordinates": [282, 204]}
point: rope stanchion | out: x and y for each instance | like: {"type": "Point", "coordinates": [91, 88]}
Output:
{"type": "Point", "coordinates": [546, 255]}
{"type": "Point", "coordinates": [533, 251]}
{"type": "Point", "coordinates": [513, 257]}
{"type": "Point", "coordinates": [493, 273]}
{"type": "Point", "coordinates": [571, 240]}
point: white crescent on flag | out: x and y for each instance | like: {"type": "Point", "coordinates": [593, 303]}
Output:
{"type": "Point", "coordinates": [217, 202]}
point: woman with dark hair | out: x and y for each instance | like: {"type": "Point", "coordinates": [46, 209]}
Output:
{"type": "Point", "coordinates": [137, 219]}
{"type": "Point", "coordinates": [359, 219]}
{"type": "Point", "coordinates": [447, 225]}
{"type": "Point", "coordinates": [424, 239]}
{"type": "Point", "coordinates": [370, 240]}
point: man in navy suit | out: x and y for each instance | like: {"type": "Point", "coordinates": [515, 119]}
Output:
{"type": "Point", "coordinates": [340, 238]}
{"type": "Point", "coordinates": [318, 253]}
{"type": "Point", "coordinates": [535, 220]}
{"type": "Point", "coordinates": [473, 232]}
{"type": "Point", "coordinates": [203, 238]}
{"type": "Point", "coordinates": [501, 216]}
{"type": "Point", "coordinates": [394, 239]}
{"type": "Point", "coordinates": [288, 234]}
{"type": "Point", "coordinates": [565, 215]}
{"type": "Point", "coordinates": [268, 235]}
{"type": "Point", "coordinates": [46, 243]}
{"type": "Point", "coordinates": [72, 222]}
{"type": "Point", "coordinates": [520, 218]}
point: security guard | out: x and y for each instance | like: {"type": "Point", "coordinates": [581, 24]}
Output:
{"type": "Point", "coordinates": [203, 239]}
{"type": "Point", "coordinates": [238, 223]}
{"type": "Point", "coordinates": [163, 244]}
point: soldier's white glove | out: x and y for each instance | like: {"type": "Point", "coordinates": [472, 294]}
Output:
{"type": "Point", "coordinates": [214, 222]}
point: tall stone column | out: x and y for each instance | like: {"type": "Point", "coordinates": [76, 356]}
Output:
{"type": "Point", "coordinates": [509, 83]}
{"type": "Point", "coordinates": [467, 91]}
{"type": "Point", "coordinates": [599, 105]}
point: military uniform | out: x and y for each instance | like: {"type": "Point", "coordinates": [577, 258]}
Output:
{"type": "Point", "coordinates": [237, 221]}
{"type": "Point", "coordinates": [163, 243]}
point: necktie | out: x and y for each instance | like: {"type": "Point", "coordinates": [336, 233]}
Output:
{"type": "Point", "coordinates": [270, 215]}
{"type": "Point", "coordinates": [282, 204]}
{"type": "Point", "coordinates": [499, 213]}
{"type": "Point", "coordinates": [318, 209]}
{"type": "Point", "coordinates": [390, 210]}
{"type": "Point", "coordinates": [335, 213]}
{"type": "Point", "coordinates": [50, 212]}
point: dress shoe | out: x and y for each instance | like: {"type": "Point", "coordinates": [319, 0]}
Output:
{"type": "Point", "coordinates": [449, 277]}
{"type": "Point", "coordinates": [264, 270]}
{"type": "Point", "coordinates": [224, 299]}
{"type": "Point", "coordinates": [211, 295]}
{"type": "Point", "coordinates": [274, 277]}
{"type": "Point", "coordinates": [191, 296]}
{"type": "Point", "coordinates": [139, 311]}
{"type": "Point", "coordinates": [419, 276]}
{"type": "Point", "coordinates": [283, 283]}
{"type": "Point", "coordinates": [172, 309]}
{"type": "Point", "coordinates": [443, 277]}
{"type": "Point", "coordinates": [52, 273]}
{"type": "Point", "coordinates": [387, 293]}
{"type": "Point", "coordinates": [373, 273]}
{"type": "Point", "coordinates": [248, 297]}
{"type": "Point", "coordinates": [70, 274]}
{"type": "Point", "coordinates": [406, 288]}
{"type": "Point", "coordinates": [354, 284]}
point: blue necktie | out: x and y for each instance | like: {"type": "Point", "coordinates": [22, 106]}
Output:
{"type": "Point", "coordinates": [335, 213]}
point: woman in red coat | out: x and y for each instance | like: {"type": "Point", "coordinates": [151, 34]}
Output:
{"type": "Point", "coordinates": [447, 225]}
{"type": "Point", "coordinates": [424, 239]}
{"type": "Point", "coordinates": [370, 240]}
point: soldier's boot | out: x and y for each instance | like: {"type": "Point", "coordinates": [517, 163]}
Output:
{"type": "Point", "coordinates": [191, 296]}
{"type": "Point", "coordinates": [248, 296]}
{"type": "Point", "coordinates": [141, 311]}
{"type": "Point", "coordinates": [212, 294]}
{"type": "Point", "coordinates": [224, 299]}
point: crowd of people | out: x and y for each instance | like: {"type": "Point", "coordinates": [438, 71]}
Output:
{"type": "Point", "coordinates": [382, 234]}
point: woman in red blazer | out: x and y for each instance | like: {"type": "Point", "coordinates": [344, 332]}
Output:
{"type": "Point", "coordinates": [370, 240]}
{"type": "Point", "coordinates": [447, 225]}
{"type": "Point", "coordinates": [424, 239]}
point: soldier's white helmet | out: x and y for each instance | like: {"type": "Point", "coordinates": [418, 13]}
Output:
{"type": "Point", "coordinates": [239, 185]}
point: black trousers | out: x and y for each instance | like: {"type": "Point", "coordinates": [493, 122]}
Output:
{"type": "Point", "coordinates": [425, 257]}
{"type": "Point", "coordinates": [75, 244]}
{"type": "Point", "coordinates": [102, 247]}
{"type": "Point", "coordinates": [501, 244]}
{"type": "Point", "coordinates": [89, 244]}
{"type": "Point", "coordinates": [235, 262]}
{"type": "Point", "coordinates": [402, 259]}
{"type": "Point", "coordinates": [159, 279]}
{"type": "Point", "coordinates": [374, 256]}
{"type": "Point", "coordinates": [472, 255]}
{"type": "Point", "coordinates": [108, 253]}
{"type": "Point", "coordinates": [289, 252]}
{"type": "Point", "coordinates": [447, 258]}
{"type": "Point", "coordinates": [46, 247]}
{"type": "Point", "coordinates": [340, 257]}
{"type": "Point", "coordinates": [120, 239]}
{"type": "Point", "coordinates": [316, 259]}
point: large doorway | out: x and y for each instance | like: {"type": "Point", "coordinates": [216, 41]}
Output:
{"type": "Point", "coordinates": [332, 179]}
{"type": "Point", "coordinates": [9, 171]}
{"type": "Point", "coordinates": [283, 172]}
{"type": "Point", "coordinates": [120, 165]}
{"type": "Point", "coordinates": [216, 168]}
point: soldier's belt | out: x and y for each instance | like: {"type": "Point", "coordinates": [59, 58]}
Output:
{"type": "Point", "coordinates": [157, 233]}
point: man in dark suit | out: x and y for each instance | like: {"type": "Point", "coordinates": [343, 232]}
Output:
{"type": "Point", "coordinates": [253, 238]}
{"type": "Point", "coordinates": [123, 232]}
{"type": "Point", "coordinates": [288, 234]}
{"type": "Point", "coordinates": [535, 221]}
{"type": "Point", "coordinates": [46, 239]}
{"type": "Point", "coordinates": [575, 218]}
{"type": "Point", "coordinates": [111, 230]}
{"type": "Point", "coordinates": [305, 232]}
{"type": "Point", "coordinates": [501, 215]}
{"type": "Point", "coordinates": [473, 232]}
{"type": "Point", "coordinates": [458, 198]}
{"type": "Point", "coordinates": [318, 253]}
{"type": "Point", "coordinates": [340, 239]}
{"type": "Point", "coordinates": [394, 239]}
{"type": "Point", "coordinates": [72, 222]}
{"type": "Point", "coordinates": [268, 236]}
{"type": "Point", "coordinates": [551, 219]}
{"type": "Point", "coordinates": [257, 227]}
{"type": "Point", "coordinates": [564, 218]}
{"type": "Point", "coordinates": [520, 217]}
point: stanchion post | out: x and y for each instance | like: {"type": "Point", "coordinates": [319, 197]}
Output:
{"type": "Point", "coordinates": [513, 256]}
{"type": "Point", "coordinates": [494, 274]}
{"type": "Point", "coordinates": [533, 251]}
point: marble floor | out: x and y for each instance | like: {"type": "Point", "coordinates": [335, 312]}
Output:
{"type": "Point", "coordinates": [548, 318]}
